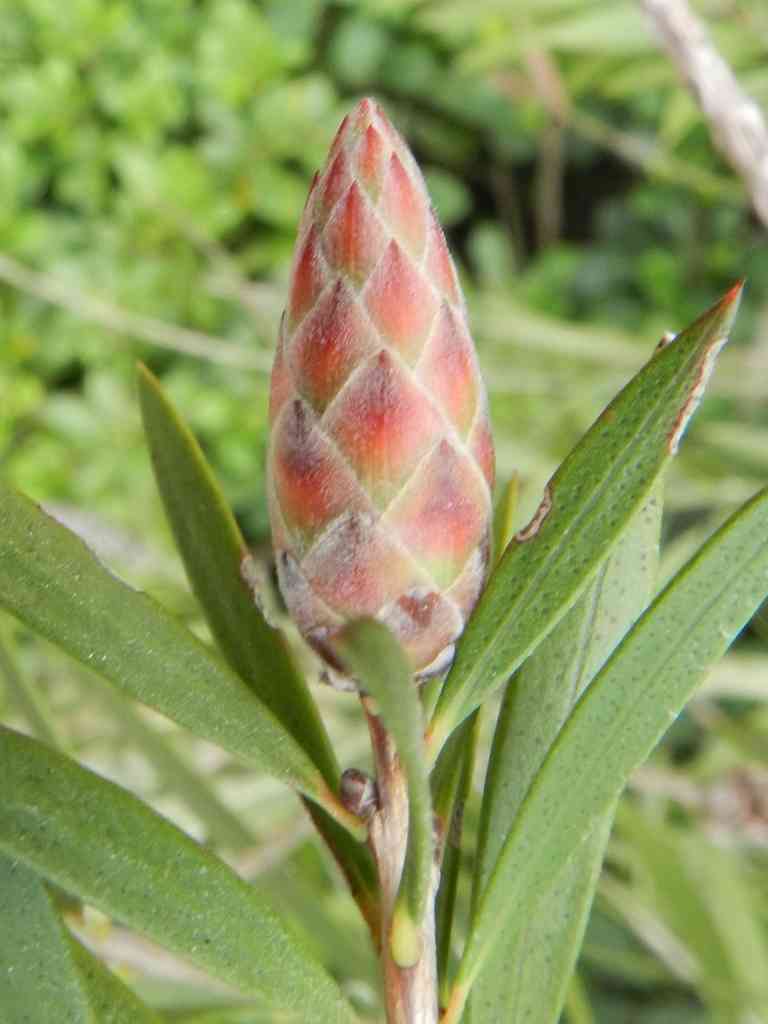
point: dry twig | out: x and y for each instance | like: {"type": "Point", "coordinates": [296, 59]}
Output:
{"type": "Point", "coordinates": [737, 123]}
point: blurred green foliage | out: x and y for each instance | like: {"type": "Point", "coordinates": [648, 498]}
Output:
{"type": "Point", "coordinates": [154, 159]}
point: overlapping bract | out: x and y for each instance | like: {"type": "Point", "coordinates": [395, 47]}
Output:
{"type": "Point", "coordinates": [381, 458]}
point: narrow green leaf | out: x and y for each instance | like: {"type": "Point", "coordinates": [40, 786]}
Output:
{"type": "Point", "coordinates": [373, 656]}
{"type": "Point", "coordinates": [111, 1001]}
{"type": "Point", "coordinates": [105, 846]}
{"type": "Point", "coordinates": [55, 585]}
{"type": "Point", "coordinates": [45, 974]}
{"type": "Point", "coordinates": [544, 948]}
{"type": "Point", "coordinates": [26, 697]}
{"type": "Point", "coordinates": [215, 556]}
{"type": "Point", "coordinates": [355, 862]}
{"type": "Point", "coordinates": [222, 825]}
{"type": "Point", "coordinates": [504, 516]}
{"type": "Point", "coordinates": [586, 506]}
{"type": "Point", "coordinates": [451, 784]}
{"type": "Point", "coordinates": [703, 895]}
{"type": "Point", "coordinates": [578, 1009]}
{"type": "Point", "coordinates": [619, 720]}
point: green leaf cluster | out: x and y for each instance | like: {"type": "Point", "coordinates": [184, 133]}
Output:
{"type": "Point", "coordinates": [598, 673]}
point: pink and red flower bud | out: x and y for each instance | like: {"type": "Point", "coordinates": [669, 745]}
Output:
{"type": "Point", "coordinates": [381, 458]}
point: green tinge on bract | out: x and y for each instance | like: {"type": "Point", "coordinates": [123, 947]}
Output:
{"type": "Point", "coordinates": [586, 506]}
{"type": "Point", "coordinates": [105, 846]}
{"type": "Point", "coordinates": [621, 717]}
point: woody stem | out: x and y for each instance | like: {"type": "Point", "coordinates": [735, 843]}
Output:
{"type": "Point", "coordinates": [410, 992]}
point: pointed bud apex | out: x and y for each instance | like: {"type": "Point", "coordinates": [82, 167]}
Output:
{"type": "Point", "coordinates": [381, 457]}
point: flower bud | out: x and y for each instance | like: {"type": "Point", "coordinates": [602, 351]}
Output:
{"type": "Point", "coordinates": [381, 458]}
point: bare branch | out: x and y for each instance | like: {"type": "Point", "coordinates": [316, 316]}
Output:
{"type": "Point", "coordinates": [736, 121]}
{"type": "Point", "coordinates": [52, 289]}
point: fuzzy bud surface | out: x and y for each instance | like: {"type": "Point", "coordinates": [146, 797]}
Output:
{"type": "Point", "coordinates": [381, 459]}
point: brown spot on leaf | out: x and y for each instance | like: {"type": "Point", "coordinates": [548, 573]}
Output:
{"type": "Point", "coordinates": [545, 507]}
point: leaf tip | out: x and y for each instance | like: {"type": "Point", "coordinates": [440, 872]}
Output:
{"type": "Point", "coordinates": [717, 325]}
{"type": "Point", "coordinates": [734, 293]}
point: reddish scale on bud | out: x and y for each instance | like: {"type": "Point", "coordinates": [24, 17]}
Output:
{"type": "Point", "coordinates": [438, 264]}
{"type": "Point", "coordinates": [481, 447]}
{"type": "Point", "coordinates": [383, 424]}
{"type": "Point", "coordinates": [371, 160]}
{"type": "Point", "coordinates": [381, 458]}
{"type": "Point", "coordinates": [329, 344]}
{"type": "Point", "coordinates": [282, 380]}
{"type": "Point", "coordinates": [401, 302]}
{"type": "Point", "coordinates": [345, 566]}
{"type": "Point", "coordinates": [308, 277]}
{"type": "Point", "coordinates": [402, 208]}
{"type": "Point", "coordinates": [332, 186]}
{"type": "Point", "coordinates": [312, 485]}
{"type": "Point", "coordinates": [353, 238]}
{"type": "Point", "coordinates": [446, 489]}
{"type": "Point", "coordinates": [448, 368]}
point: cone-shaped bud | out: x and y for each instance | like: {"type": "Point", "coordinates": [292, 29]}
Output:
{"type": "Point", "coordinates": [381, 458]}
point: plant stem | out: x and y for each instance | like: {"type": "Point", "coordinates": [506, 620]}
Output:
{"type": "Point", "coordinates": [411, 992]}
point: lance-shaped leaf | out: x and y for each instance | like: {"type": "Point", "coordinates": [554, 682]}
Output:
{"type": "Point", "coordinates": [705, 897]}
{"type": "Point", "coordinates": [585, 508]}
{"type": "Point", "coordinates": [214, 555]}
{"type": "Point", "coordinates": [198, 791]}
{"type": "Point", "coordinates": [545, 946]}
{"type": "Point", "coordinates": [55, 585]}
{"type": "Point", "coordinates": [45, 974]}
{"type": "Point", "coordinates": [109, 849]}
{"type": "Point", "coordinates": [28, 701]}
{"type": "Point", "coordinates": [451, 784]}
{"type": "Point", "coordinates": [372, 655]}
{"type": "Point", "coordinates": [380, 461]}
{"type": "Point", "coordinates": [618, 721]}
